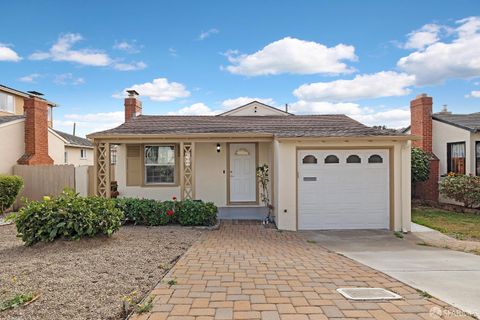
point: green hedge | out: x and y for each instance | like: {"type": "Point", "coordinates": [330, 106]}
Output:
{"type": "Point", "coordinates": [153, 213]}
{"type": "Point", "coordinates": [67, 216]}
{"type": "Point", "coordinates": [10, 187]}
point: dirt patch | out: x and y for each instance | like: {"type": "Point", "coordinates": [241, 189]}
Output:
{"type": "Point", "coordinates": [87, 279]}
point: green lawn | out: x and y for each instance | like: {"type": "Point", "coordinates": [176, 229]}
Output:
{"type": "Point", "coordinates": [464, 226]}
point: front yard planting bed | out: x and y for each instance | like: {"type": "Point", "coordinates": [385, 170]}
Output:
{"type": "Point", "coordinates": [462, 226]}
{"type": "Point", "coordinates": [87, 279]}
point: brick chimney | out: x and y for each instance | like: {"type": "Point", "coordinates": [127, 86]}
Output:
{"type": "Point", "coordinates": [133, 106]}
{"type": "Point", "coordinates": [421, 125]}
{"type": "Point", "coordinates": [36, 132]}
{"type": "Point", "coordinates": [421, 121]}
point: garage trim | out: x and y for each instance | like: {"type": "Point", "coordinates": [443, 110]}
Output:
{"type": "Point", "coordinates": [391, 174]}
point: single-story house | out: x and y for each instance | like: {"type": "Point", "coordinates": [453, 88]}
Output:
{"type": "Point", "coordinates": [327, 171]}
{"type": "Point", "coordinates": [27, 120]}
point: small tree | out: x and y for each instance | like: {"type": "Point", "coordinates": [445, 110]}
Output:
{"type": "Point", "coordinates": [263, 177]}
{"type": "Point", "coordinates": [420, 165]}
{"type": "Point", "coordinates": [10, 187]}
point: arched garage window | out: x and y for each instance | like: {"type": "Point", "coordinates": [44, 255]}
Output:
{"type": "Point", "coordinates": [309, 159]}
{"type": "Point", "coordinates": [375, 158]}
{"type": "Point", "coordinates": [354, 159]}
{"type": "Point", "coordinates": [332, 159]}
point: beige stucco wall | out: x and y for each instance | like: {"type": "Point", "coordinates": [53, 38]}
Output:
{"type": "Point", "coordinates": [444, 133]}
{"type": "Point", "coordinates": [285, 164]}
{"type": "Point", "coordinates": [74, 156]}
{"type": "Point", "coordinates": [211, 173]}
{"type": "Point", "coordinates": [56, 148]}
{"type": "Point", "coordinates": [12, 147]}
{"type": "Point", "coordinates": [156, 193]}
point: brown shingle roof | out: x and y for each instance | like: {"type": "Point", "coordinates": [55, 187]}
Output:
{"type": "Point", "coordinates": [279, 126]}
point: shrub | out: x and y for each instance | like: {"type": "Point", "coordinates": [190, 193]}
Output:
{"type": "Point", "coordinates": [10, 187]}
{"type": "Point", "coordinates": [146, 211]}
{"type": "Point", "coordinates": [67, 216]}
{"type": "Point", "coordinates": [462, 188]}
{"type": "Point", "coordinates": [420, 165]}
{"type": "Point", "coordinates": [194, 213]}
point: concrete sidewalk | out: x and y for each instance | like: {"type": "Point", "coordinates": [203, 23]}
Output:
{"type": "Point", "coordinates": [451, 276]}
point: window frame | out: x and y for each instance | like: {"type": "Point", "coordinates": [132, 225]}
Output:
{"type": "Point", "coordinates": [175, 165]}
{"type": "Point", "coordinates": [83, 154]}
{"type": "Point", "coordinates": [309, 156]}
{"type": "Point", "coordinates": [353, 156]}
{"type": "Point", "coordinates": [449, 156]}
{"type": "Point", "coordinates": [4, 108]}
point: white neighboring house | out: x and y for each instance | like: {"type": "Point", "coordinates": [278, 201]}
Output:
{"type": "Point", "coordinates": [28, 137]}
{"type": "Point", "coordinates": [455, 140]}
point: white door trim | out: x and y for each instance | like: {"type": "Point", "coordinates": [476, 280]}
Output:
{"type": "Point", "coordinates": [242, 181]}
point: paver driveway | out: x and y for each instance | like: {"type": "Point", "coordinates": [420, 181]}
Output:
{"type": "Point", "coordinates": [244, 271]}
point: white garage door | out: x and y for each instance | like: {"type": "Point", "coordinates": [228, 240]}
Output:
{"type": "Point", "coordinates": [343, 189]}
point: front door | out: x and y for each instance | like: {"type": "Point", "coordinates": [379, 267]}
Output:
{"type": "Point", "coordinates": [242, 172]}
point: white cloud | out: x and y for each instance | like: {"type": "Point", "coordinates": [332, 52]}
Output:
{"type": "Point", "coordinates": [205, 34]}
{"type": "Point", "coordinates": [133, 66]}
{"type": "Point", "coordinates": [459, 58]}
{"type": "Point", "coordinates": [159, 89]}
{"type": "Point", "coordinates": [393, 118]}
{"type": "Point", "coordinates": [367, 86]}
{"type": "Point", "coordinates": [62, 51]}
{"type": "Point", "coordinates": [290, 55]}
{"type": "Point", "coordinates": [426, 35]}
{"type": "Point", "coordinates": [473, 94]}
{"type": "Point", "coordinates": [127, 46]}
{"type": "Point", "coordinates": [240, 101]}
{"type": "Point", "coordinates": [322, 107]}
{"type": "Point", "coordinates": [30, 78]}
{"type": "Point", "coordinates": [172, 52]}
{"type": "Point", "coordinates": [196, 109]}
{"type": "Point", "coordinates": [7, 54]}
{"type": "Point", "coordinates": [67, 79]}
{"type": "Point", "coordinates": [90, 122]}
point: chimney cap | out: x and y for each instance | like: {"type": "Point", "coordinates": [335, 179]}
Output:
{"type": "Point", "coordinates": [421, 95]}
{"type": "Point", "coordinates": [132, 93]}
{"type": "Point", "coordinates": [35, 93]}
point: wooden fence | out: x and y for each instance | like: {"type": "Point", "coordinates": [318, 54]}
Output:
{"type": "Point", "coordinates": [40, 181]}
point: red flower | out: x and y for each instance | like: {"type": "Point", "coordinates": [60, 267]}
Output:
{"type": "Point", "coordinates": [174, 198]}
{"type": "Point", "coordinates": [170, 212]}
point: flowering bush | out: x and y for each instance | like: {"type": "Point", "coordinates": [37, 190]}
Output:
{"type": "Point", "coordinates": [68, 216]}
{"type": "Point", "coordinates": [462, 188]}
{"type": "Point", "coordinates": [420, 165]}
{"type": "Point", "coordinates": [154, 213]}
{"type": "Point", "coordinates": [146, 211]}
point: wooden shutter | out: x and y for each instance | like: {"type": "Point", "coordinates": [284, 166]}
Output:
{"type": "Point", "coordinates": [134, 165]}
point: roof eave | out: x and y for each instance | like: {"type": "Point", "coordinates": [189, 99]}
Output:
{"type": "Point", "coordinates": [455, 124]}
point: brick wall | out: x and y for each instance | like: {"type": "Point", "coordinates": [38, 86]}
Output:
{"type": "Point", "coordinates": [421, 125]}
{"type": "Point", "coordinates": [36, 132]}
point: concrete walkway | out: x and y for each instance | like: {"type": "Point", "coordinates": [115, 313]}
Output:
{"type": "Point", "coordinates": [245, 271]}
{"type": "Point", "coordinates": [451, 276]}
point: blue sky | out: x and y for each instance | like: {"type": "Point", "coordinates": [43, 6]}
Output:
{"type": "Point", "coordinates": [367, 59]}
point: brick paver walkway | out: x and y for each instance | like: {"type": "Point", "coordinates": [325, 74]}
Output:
{"type": "Point", "coordinates": [244, 271]}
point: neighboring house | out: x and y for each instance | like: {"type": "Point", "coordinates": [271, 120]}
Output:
{"type": "Point", "coordinates": [327, 171]}
{"type": "Point", "coordinates": [452, 139]}
{"type": "Point", "coordinates": [28, 137]}
{"type": "Point", "coordinates": [78, 151]}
